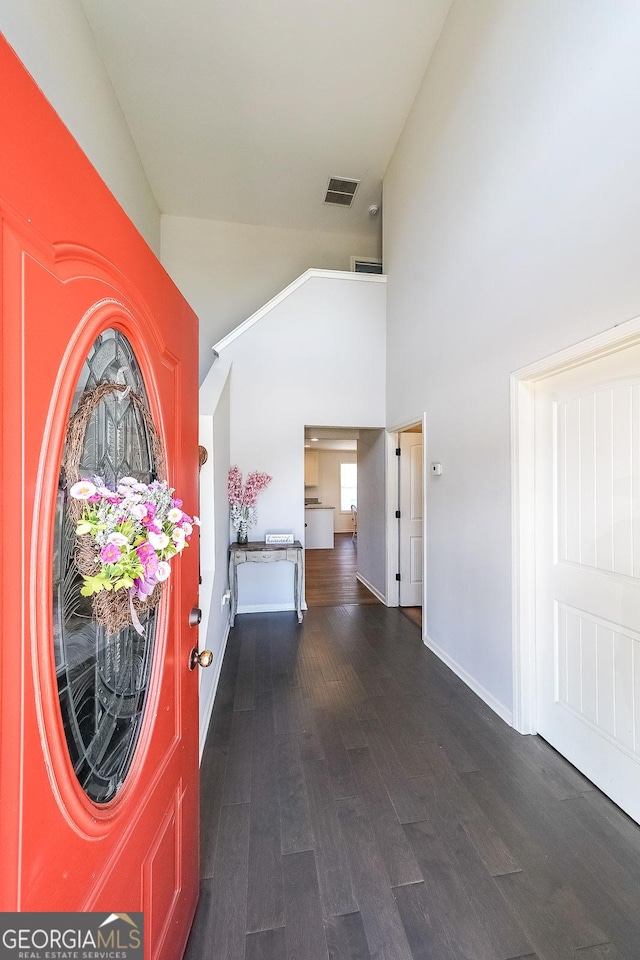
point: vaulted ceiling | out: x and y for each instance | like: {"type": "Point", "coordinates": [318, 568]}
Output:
{"type": "Point", "coordinates": [242, 109]}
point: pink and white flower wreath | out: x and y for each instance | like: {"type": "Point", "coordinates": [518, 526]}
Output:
{"type": "Point", "coordinates": [137, 529]}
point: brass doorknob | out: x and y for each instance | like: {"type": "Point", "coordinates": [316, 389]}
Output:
{"type": "Point", "coordinates": [204, 659]}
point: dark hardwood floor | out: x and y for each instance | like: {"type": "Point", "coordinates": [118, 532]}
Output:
{"type": "Point", "coordinates": [330, 575]}
{"type": "Point", "coordinates": [412, 613]}
{"type": "Point", "coordinates": [360, 802]}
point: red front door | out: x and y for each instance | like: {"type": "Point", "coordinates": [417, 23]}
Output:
{"type": "Point", "coordinates": [113, 828]}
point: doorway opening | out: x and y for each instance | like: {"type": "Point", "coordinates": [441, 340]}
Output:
{"type": "Point", "coordinates": [410, 522]}
{"type": "Point", "coordinates": [406, 543]}
{"type": "Point", "coordinates": [344, 476]}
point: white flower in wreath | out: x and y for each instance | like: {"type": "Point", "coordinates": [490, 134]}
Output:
{"type": "Point", "coordinates": [179, 539]}
{"type": "Point", "coordinates": [158, 540]}
{"type": "Point", "coordinates": [118, 538]}
{"type": "Point", "coordinates": [82, 490]}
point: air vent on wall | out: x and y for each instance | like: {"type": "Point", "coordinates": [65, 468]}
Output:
{"type": "Point", "coordinates": [341, 191]}
{"type": "Point", "coordinates": [366, 265]}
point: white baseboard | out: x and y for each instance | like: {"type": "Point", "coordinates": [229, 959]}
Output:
{"type": "Point", "coordinates": [370, 587]}
{"type": "Point", "coordinates": [267, 607]}
{"type": "Point", "coordinates": [204, 729]}
{"type": "Point", "coordinates": [497, 707]}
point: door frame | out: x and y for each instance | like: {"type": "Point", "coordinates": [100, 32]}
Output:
{"type": "Point", "coordinates": [392, 488]}
{"type": "Point", "coordinates": [523, 520]}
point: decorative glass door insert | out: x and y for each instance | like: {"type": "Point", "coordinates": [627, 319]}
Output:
{"type": "Point", "coordinates": [103, 679]}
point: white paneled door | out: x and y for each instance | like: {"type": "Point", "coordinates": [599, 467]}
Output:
{"type": "Point", "coordinates": [411, 512]}
{"type": "Point", "coordinates": [588, 570]}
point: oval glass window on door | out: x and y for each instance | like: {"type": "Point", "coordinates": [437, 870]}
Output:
{"type": "Point", "coordinates": [103, 678]}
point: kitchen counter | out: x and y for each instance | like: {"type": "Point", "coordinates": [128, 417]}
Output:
{"type": "Point", "coordinates": [318, 524]}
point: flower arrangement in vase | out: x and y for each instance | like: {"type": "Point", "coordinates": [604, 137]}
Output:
{"type": "Point", "coordinates": [242, 499]}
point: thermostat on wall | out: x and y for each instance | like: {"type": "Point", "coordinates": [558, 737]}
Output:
{"type": "Point", "coordinates": [278, 538]}
{"type": "Point", "coordinates": [436, 469]}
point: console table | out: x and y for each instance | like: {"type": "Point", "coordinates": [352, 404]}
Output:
{"type": "Point", "coordinates": [257, 551]}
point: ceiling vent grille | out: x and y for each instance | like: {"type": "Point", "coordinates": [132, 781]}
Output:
{"type": "Point", "coordinates": [341, 191]}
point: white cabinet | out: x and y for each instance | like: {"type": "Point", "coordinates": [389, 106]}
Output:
{"type": "Point", "coordinates": [311, 468]}
{"type": "Point", "coordinates": [318, 534]}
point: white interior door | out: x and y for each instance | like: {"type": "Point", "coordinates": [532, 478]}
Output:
{"type": "Point", "coordinates": [411, 498]}
{"type": "Point", "coordinates": [588, 570]}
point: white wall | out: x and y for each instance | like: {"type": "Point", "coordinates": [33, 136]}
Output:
{"type": "Point", "coordinates": [214, 540]}
{"type": "Point", "coordinates": [512, 213]}
{"type": "Point", "coordinates": [55, 43]}
{"type": "Point", "coordinates": [372, 510]}
{"type": "Point", "coordinates": [316, 357]}
{"type": "Point", "coordinates": [227, 271]}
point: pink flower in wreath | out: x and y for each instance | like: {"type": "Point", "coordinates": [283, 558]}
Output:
{"type": "Point", "coordinates": [145, 550]}
{"type": "Point", "coordinates": [110, 553]}
{"type": "Point", "coordinates": [148, 558]}
{"type": "Point", "coordinates": [151, 510]}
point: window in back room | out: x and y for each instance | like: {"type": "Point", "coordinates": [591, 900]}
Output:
{"type": "Point", "coordinates": [348, 485]}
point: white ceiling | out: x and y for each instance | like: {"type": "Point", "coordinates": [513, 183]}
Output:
{"type": "Point", "coordinates": [331, 438]}
{"type": "Point", "coordinates": [333, 445]}
{"type": "Point", "coordinates": [242, 109]}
